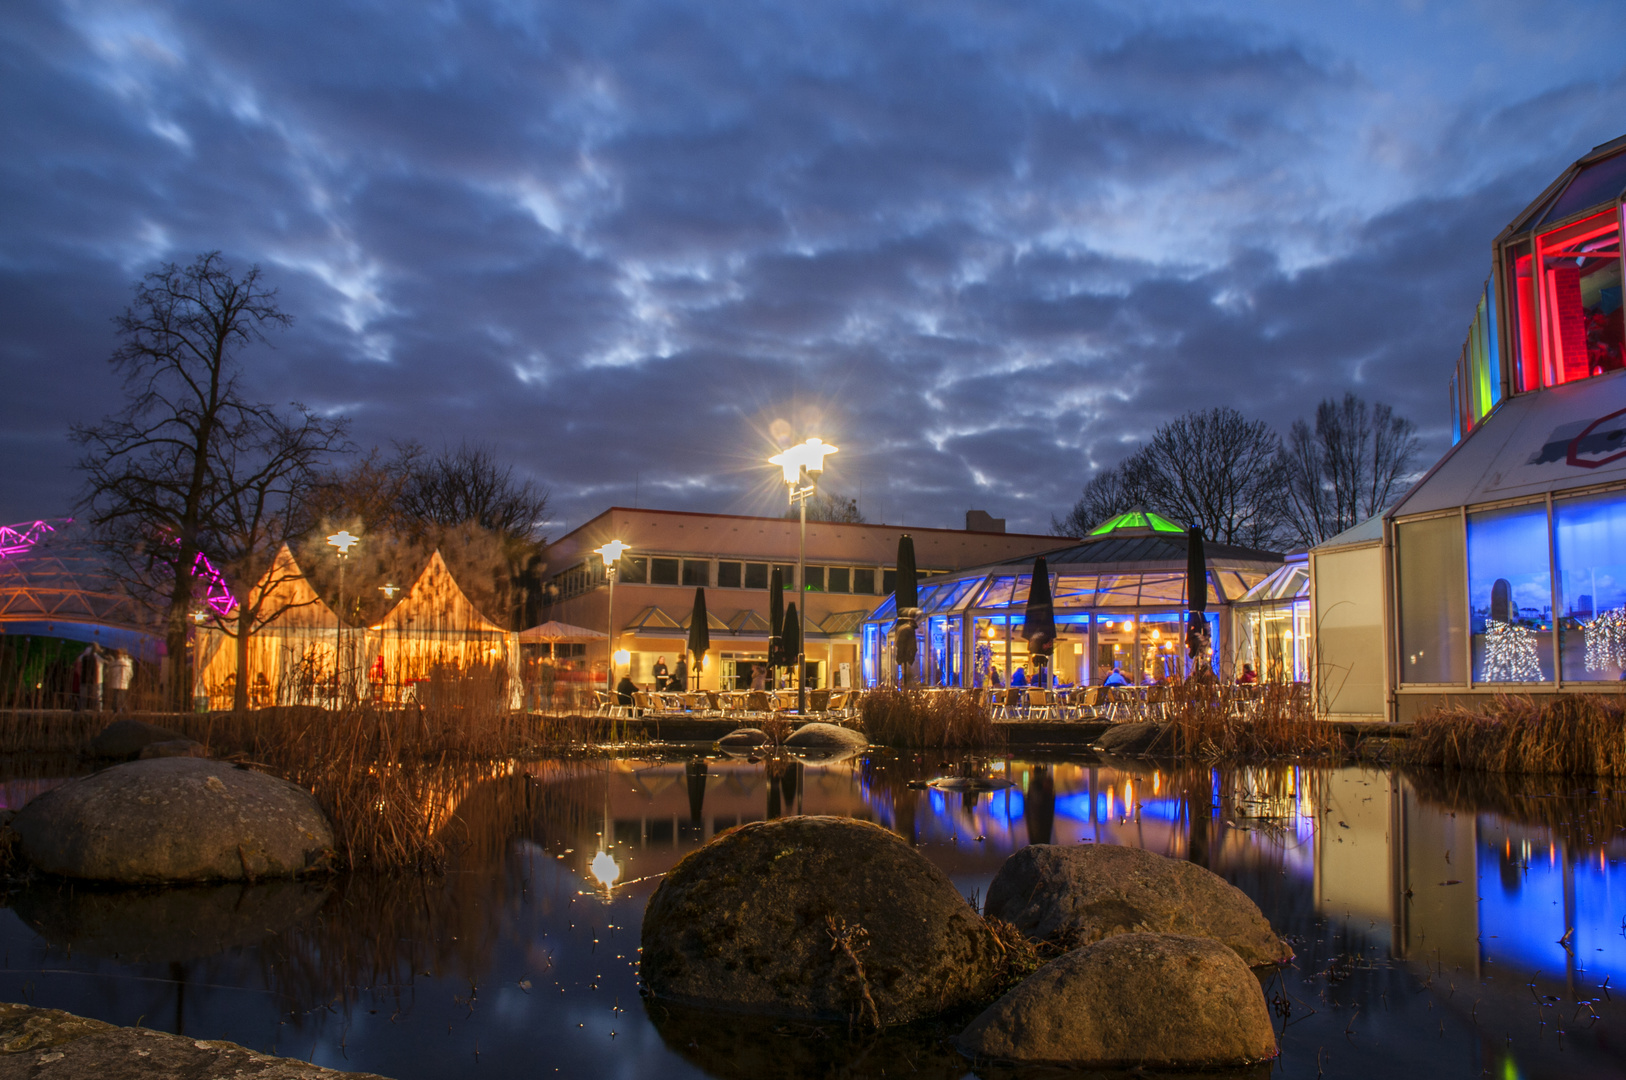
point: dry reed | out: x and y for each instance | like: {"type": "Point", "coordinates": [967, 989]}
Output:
{"type": "Point", "coordinates": [1568, 735]}
{"type": "Point", "coordinates": [1211, 720]}
{"type": "Point", "coordinates": [1581, 818]}
{"type": "Point", "coordinates": [928, 720]}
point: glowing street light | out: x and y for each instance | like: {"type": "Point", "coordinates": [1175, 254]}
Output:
{"type": "Point", "coordinates": [802, 465]}
{"type": "Point", "coordinates": [611, 554]}
{"type": "Point", "coordinates": [344, 541]}
{"type": "Point", "coordinates": [605, 870]}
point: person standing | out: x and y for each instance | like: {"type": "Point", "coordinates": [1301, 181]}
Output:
{"type": "Point", "coordinates": [660, 673]}
{"type": "Point", "coordinates": [679, 682]}
{"type": "Point", "coordinates": [759, 676]}
{"type": "Point", "coordinates": [119, 674]}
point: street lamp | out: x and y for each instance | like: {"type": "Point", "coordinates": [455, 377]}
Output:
{"type": "Point", "coordinates": [802, 464]}
{"type": "Point", "coordinates": [611, 554]}
{"type": "Point", "coordinates": [344, 542]}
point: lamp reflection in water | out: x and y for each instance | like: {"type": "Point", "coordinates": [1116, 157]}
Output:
{"type": "Point", "coordinates": [604, 868]}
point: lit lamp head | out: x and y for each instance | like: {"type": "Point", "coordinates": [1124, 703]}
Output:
{"type": "Point", "coordinates": [611, 552]}
{"type": "Point", "coordinates": [622, 658]}
{"type": "Point", "coordinates": [343, 541]}
{"type": "Point", "coordinates": [808, 456]}
{"type": "Point", "coordinates": [389, 590]}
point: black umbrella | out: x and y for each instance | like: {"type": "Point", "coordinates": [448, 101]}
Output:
{"type": "Point", "coordinates": [1196, 593]}
{"type": "Point", "coordinates": [699, 633]}
{"type": "Point", "coordinates": [790, 643]}
{"type": "Point", "coordinates": [906, 596]}
{"type": "Point", "coordinates": [776, 618]}
{"type": "Point", "coordinates": [1039, 622]}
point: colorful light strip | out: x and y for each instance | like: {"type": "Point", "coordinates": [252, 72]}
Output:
{"type": "Point", "coordinates": [215, 593]}
{"type": "Point", "coordinates": [16, 539]}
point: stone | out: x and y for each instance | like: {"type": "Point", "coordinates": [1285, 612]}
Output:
{"type": "Point", "coordinates": [1073, 895]}
{"type": "Point", "coordinates": [1134, 739]}
{"type": "Point", "coordinates": [50, 1044]}
{"type": "Point", "coordinates": [172, 748]}
{"type": "Point", "coordinates": [174, 820]}
{"type": "Point", "coordinates": [750, 922]}
{"type": "Point", "coordinates": [827, 736]}
{"type": "Point", "coordinates": [745, 736]}
{"type": "Point", "coordinates": [1160, 1001]}
{"type": "Point", "coordinates": [124, 739]}
{"type": "Point", "coordinates": [168, 924]}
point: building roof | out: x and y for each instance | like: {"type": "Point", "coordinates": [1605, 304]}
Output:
{"type": "Point", "coordinates": [54, 583]}
{"type": "Point", "coordinates": [1566, 437]}
{"type": "Point", "coordinates": [1369, 531]}
{"type": "Point", "coordinates": [1140, 546]}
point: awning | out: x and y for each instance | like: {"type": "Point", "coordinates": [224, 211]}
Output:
{"type": "Point", "coordinates": [553, 630]}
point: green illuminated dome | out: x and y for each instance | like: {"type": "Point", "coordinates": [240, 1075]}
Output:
{"type": "Point", "coordinates": [1138, 518]}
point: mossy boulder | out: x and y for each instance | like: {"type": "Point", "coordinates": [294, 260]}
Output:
{"type": "Point", "coordinates": [805, 916]}
{"type": "Point", "coordinates": [827, 737]}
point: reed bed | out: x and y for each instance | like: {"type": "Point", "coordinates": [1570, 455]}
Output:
{"type": "Point", "coordinates": [1566, 735]}
{"type": "Point", "coordinates": [1213, 720]}
{"type": "Point", "coordinates": [928, 720]}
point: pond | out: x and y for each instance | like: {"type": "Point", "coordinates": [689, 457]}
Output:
{"type": "Point", "coordinates": [1460, 926]}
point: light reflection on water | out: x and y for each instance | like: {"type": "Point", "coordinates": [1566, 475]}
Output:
{"type": "Point", "coordinates": [1429, 916]}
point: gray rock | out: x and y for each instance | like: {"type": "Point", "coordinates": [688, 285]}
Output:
{"type": "Point", "coordinates": [1078, 894]}
{"type": "Point", "coordinates": [745, 736]}
{"type": "Point", "coordinates": [172, 748]}
{"type": "Point", "coordinates": [174, 820]}
{"type": "Point", "coordinates": [1153, 1000]}
{"type": "Point", "coordinates": [745, 923]}
{"type": "Point", "coordinates": [55, 1045]}
{"type": "Point", "coordinates": [165, 924]}
{"type": "Point", "coordinates": [1135, 739]}
{"type": "Point", "coordinates": [124, 739]}
{"type": "Point", "coordinates": [832, 736]}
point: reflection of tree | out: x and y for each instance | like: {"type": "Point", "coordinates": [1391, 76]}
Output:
{"type": "Point", "coordinates": [1580, 819]}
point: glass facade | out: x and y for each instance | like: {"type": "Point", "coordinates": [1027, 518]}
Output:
{"type": "Point", "coordinates": [1590, 542]}
{"type": "Point", "coordinates": [1476, 387]}
{"type": "Point", "coordinates": [1433, 601]}
{"type": "Point", "coordinates": [1510, 595]}
{"type": "Point", "coordinates": [1564, 290]}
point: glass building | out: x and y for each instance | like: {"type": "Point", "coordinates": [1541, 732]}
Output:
{"type": "Point", "coordinates": [1119, 595]}
{"type": "Point", "coordinates": [1504, 568]}
{"type": "Point", "coordinates": [1271, 625]}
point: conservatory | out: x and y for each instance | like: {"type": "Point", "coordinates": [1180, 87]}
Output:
{"type": "Point", "coordinates": [1120, 598]}
{"type": "Point", "coordinates": [1271, 625]}
{"type": "Point", "coordinates": [1506, 564]}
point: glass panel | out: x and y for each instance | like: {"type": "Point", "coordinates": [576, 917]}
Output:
{"type": "Point", "coordinates": [814, 579]}
{"type": "Point", "coordinates": [633, 569]}
{"type": "Point", "coordinates": [864, 580]}
{"type": "Point", "coordinates": [728, 575]}
{"type": "Point", "coordinates": [949, 595]}
{"type": "Point", "coordinates": [1118, 590]}
{"type": "Point", "coordinates": [787, 576]}
{"type": "Point", "coordinates": [1599, 182]}
{"type": "Point", "coordinates": [995, 652]}
{"type": "Point", "coordinates": [1591, 540]}
{"type": "Point", "coordinates": [889, 581]}
{"type": "Point", "coordinates": [998, 592]}
{"type": "Point", "coordinates": [696, 572]}
{"type": "Point", "coordinates": [1075, 590]}
{"type": "Point", "coordinates": [1162, 589]}
{"type": "Point", "coordinates": [1510, 593]}
{"type": "Point", "coordinates": [756, 575]}
{"type": "Point", "coordinates": [1433, 601]}
{"type": "Point", "coordinates": [1114, 648]}
{"type": "Point", "coordinates": [1522, 326]}
{"type": "Point", "coordinates": [887, 611]}
{"type": "Point", "coordinates": [663, 571]}
{"type": "Point", "coordinates": [1581, 328]}
{"type": "Point", "coordinates": [838, 579]}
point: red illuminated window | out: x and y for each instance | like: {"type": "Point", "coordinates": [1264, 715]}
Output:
{"type": "Point", "coordinates": [1575, 278]}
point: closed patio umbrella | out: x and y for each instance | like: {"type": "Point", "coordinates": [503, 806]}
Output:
{"type": "Point", "coordinates": [699, 634]}
{"type": "Point", "coordinates": [791, 642]}
{"type": "Point", "coordinates": [1197, 642]}
{"type": "Point", "coordinates": [906, 593]}
{"type": "Point", "coordinates": [776, 621]}
{"type": "Point", "coordinates": [1039, 623]}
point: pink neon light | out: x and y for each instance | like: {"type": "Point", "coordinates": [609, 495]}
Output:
{"type": "Point", "coordinates": [16, 539]}
{"type": "Point", "coordinates": [216, 594]}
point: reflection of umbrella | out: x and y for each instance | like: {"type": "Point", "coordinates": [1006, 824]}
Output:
{"type": "Point", "coordinates": [1196, 593]}
{"type": "Point", "coordinates": [1039, 808]}
{"type": "Point", "coordinates": [550, 632]}
{"type": "Point", "coordinates": [699, 633]}
{"type": "Point", "coordinates": [1039, 621]}
{"type": "Point", "coordinates": [695, 774]}
{"type": "Point", "coordinates": [776, 618]}
{"type": "Point", "coordinates": [906, 595]}
{"type": "Point", "coordinates": [791, 642]}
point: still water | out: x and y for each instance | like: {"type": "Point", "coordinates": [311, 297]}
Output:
{"type": "Point", "coordinates": [1458, 927]}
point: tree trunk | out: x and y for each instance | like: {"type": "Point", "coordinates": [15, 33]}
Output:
{"type": "Point", "coordinates": [239, 697]}
{"type": "Point", "coordinates": [179, 692]}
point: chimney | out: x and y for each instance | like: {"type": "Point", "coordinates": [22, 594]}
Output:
{"type": "Point", "coordinates": [981, 521]}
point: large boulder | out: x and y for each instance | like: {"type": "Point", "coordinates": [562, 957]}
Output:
{"type": "Point", "coordinates": [1135, 738]}
{"type": "Point", "coordinates": [827, 736]}
{"type": "Point", "coordinates": [1078, 894]}
{"type": "Point", "coordinates": [173, 820]}
{"type": "Point", "coordinates": [744, 738]}
{"type": "Point", "coordinates": [1153, 1000]}
{"type": "Point", "coordinates": [125, 739]}
{"type": "Point", "coordinates": [805, 916]}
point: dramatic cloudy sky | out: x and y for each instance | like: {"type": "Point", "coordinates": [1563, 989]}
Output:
{"type": "Point", "coordinates": [983, 247]}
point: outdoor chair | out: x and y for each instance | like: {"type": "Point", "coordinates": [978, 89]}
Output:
{"type": "Point", "coordinates": [699, 703]}
{"type": "Point", "coordinates": [818, 701]}
{"type": "Point", "coordinates": [836, 705]}
{"type": "Point", "coordinates": [671, 703]}
{"type": "Point", "coordinates": [640, 703]}
{"type": "Point", "coordinates": [758, 703]}
{"type": "Point", "coordinates": [1041, 705]}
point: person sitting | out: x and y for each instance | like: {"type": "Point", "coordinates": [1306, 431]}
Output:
{"type": "Point", "coordinates": [624, 690]}
{"type": "Point", "coordinates": [679, 682]}
{"type": "Point", "coordinates": [1115, 678]}
{"type": "Point", "coordinates": [995, 679]}
{"type": "Point", "coordinates": [1019, 677]}
{"type": "Point", "coordinates": [1248, 676]}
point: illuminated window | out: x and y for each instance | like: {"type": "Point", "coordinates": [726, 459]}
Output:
{"type": "Point", "coordinates": [1591, 541]}
{"type": "Point", "coordinates": [1510, 595]}
{"type": "Point", "coordinates": [1433, 609]}
{"type": "Point", "coordinates": [1565, 299]}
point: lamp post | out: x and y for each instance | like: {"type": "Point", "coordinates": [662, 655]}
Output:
{"type": "Point", "coordinates": [802, 464]}
{"type": "Point", "coordinates": [611, 554]}
{"type": "Point", "coordinates": [344, 542]}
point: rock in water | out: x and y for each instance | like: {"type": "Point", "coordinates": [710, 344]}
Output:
{"type": "Point", "coordinates": [1154, 1000]}
{"type": "Point", "coordinates": [751, 921]}
{"type": "Point", "coordinates": [744, 737]}
{"type": "Point", "coordinates": [1134, 739]}
{"type": "Point", "coordinates": [125, 739]}
{"type": "Point", "coordinates": [827, 735]}
{"type": "Point", "coordinates": [174, 819]}
{"type": "Point", "coordinates": [1076, 895]}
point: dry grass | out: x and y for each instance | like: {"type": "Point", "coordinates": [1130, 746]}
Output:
{"type": "Point", "coordinates": [1217, 720]}
{"type": "Point", "coordinates": [928, 720]}
{"type": "Point", "coordinates": [1568, 735]}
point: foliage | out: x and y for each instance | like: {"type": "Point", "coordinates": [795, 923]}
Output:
{"type": "Point", "coordinates": [828, 506]}
{"type": "Point", "coordinates": [1212, 720]}
{"type": "Point", "coordinates": [1567, 734]}
{"type": "Point", "coordinates": [927, 719]}
{"type": "Point", "coordinates": [1350, 467]}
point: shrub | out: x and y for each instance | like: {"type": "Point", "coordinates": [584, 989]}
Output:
{"type": "Point", "coordinates": [1567, 734]}
{"type": "Point", "coordinates": [927, 719]}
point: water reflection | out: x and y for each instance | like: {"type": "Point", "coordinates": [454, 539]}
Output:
{"type": "Point", "coordinates": [1435, 918]}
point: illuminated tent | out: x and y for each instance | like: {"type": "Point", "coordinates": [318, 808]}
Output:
{"type": "Point", "coordinates": [292, 644]}
{"type": "Point", "coordinates": [436, 625]}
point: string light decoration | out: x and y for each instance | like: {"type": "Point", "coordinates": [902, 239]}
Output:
{"type": "Point", "coordinates": [1510, 653]}
{"type": "Point", "coordinates": [1606, 641]}
{"type": "Point", "coordinates": [16, 539]}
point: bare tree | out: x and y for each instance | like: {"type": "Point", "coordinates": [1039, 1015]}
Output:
{"type": "Point", "coordinates": [469, 485]}
{"type": "Point", "coordinates": [1216, 470]}
{"type": "Point", "coordinates": [828, 506]}
{"type": "Point", "coordinates": [160, 473]}
{"type": "Point", "coordinates": [1109, 493]}
{"type": "Point", "coordinates": [1350, 467]}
